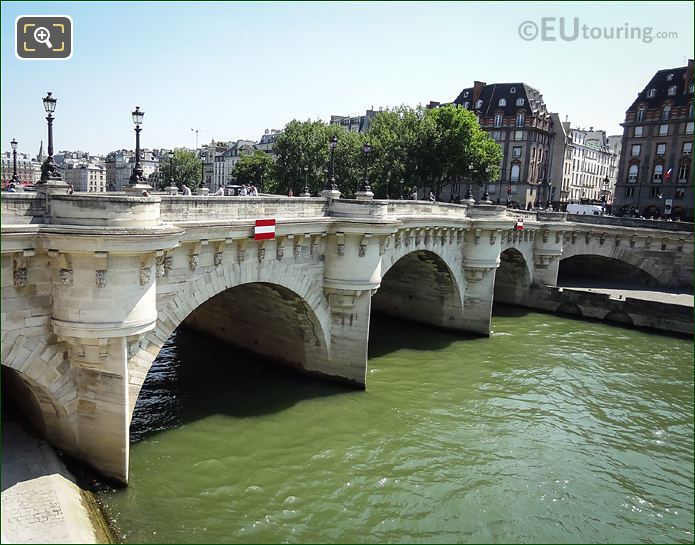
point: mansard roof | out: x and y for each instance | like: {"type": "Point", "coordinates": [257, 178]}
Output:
{"type": "Point", "coordinates": [661, 82]}
{"type": "Point", "coordinates": [492, 93]}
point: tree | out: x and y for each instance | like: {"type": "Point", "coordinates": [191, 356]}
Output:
{"type": "Point", "coordinates": [185, 168]}
{"type": "Point", "coordinates": [256, 169]}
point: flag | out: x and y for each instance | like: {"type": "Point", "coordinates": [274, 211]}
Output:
{"type": "Point", "coordinates": [668, 174]}
{"type": "Point", "coordinates": [264, 230]}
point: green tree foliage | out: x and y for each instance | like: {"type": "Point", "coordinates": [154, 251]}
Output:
{"type": "Point", "coordinates": [256, 169]}
{"type": "Point", "coordinates": [426, 148]}
{"type": "Point", "coordinates": [185, 168]}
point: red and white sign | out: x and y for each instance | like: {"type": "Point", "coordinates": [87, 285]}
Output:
{"type": "Point", "coordinates": [264, 230]}
{"type": "Point", "coordinates": [519, 224]}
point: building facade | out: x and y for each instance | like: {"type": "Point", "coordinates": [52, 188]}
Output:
{"type": "Point", "coordinates": [354, 123]}
{"type": "Point", "coordinates": [28, 170]}
{"type": "Point", "coordinates": [88, 177]}
{"type": "Point", "coordinates": [655, 171]}
{"type": "Point", "coordinates": [517, 118]}
{"type": "Point", "coordinates": [119, 167]}
{"type": "Point", "coordinates": [593, 167]}
{"type": "Point", "coordinates": [225, 162]}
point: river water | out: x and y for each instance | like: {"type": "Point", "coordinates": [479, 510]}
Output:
{"type": "Point", "coordinates": [552, 430]}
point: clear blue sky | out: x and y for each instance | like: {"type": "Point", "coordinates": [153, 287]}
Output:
{"type": "Point", "coordinates": [235, 69]}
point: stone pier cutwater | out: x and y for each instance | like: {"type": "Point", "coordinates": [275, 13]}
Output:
{"type": "Point", "coordinates": [93, 285]}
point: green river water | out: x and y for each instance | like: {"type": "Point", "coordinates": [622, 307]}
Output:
{"type": "Point", "coordinates": [552, 430]}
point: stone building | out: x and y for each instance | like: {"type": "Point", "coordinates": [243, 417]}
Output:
{"type": "Point", "coordinates": [354, 123]}
{"type": "Point", "coordinates": [119, 166]}
{"type": "Point", "coordinates": [655, 170]}
{"type": "Point", "coordinates": [28, 170]}
{"type": "Point", "coordinates": [594, 161]}
{"type": "Point", "coordinates": [517, 118]}
{"type": "Point", "coordinates": [225, 162]}
{"type": "Point", "coordinates": [84, 176]}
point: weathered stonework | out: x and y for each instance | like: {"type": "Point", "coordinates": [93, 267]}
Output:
{"type": "Point", "coordinates": [20, 277]}
{"type": "Point", "coordinates": [101, 278]}
{"type": "Point", "coordinates": [65, 277]}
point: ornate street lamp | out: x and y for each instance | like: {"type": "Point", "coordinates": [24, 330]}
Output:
{"type": "Point", "coordinates": [401, 182]}
{"type": "Point", "coordinates": [137, 182]}
{"type": "Point", "coordinates": [330, 189]}
{"type": "Point", "coordinates": [49, 170]}
{"type": "Point", "coordinates": [469, 194]}
{"type": "Point", "coordinates": [486, 195]}
{"type": "Point", "coordinates": [550, 194]}
{"type": "Point", "coordinates": [15, 179]}
{"type": "Point", "coordinates": [306, 182]}
{"type": "Point", "coordinates": [365, 192]}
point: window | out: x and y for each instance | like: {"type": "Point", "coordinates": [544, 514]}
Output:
{"type": "Point", "coordinates": [651, 93]}
{"type": "Point", "coordinates": [638, 132]}
{"type": "Point", "coordinates": [519, 101]}
{"type": "Point", "coordinates": [687, 148]}
{"type": "Point", "coordinates": [516, 151]}
{"type": "Point", "coordinates": [690, 110]}
{"type": "Point", "coordinates": [658, 173]}
{"type": "Point", "coordinates": [640, 115]}
{"type": "Point", "coordinates": [515, 173]}
{"type": "Point", "coordinates": [518, 135]}
{"type": "Point", "coordinates": [629, 191]}
{"type": "Point", "coordinates": [632, 174]}
{"type": "Point", "coordinates": [498, 120]}
{"type": "Point", "coordinates": [478, 104]}
{"type": "Point", "coordinates": [661, 149]}
{"type": "Point", "coordinates": [672, 90]}
{"type": "Point", "coordinates": [663, 130]}
{"type": "Point", "coordinates": [666, 113]}
{"type": "Point", "coordinates": [683, 173]}
{"type": "Point", "coordinates": [497, 135]}
{"type": "Point", "coordinates": [689, 127]}
{"type": "Point", "coordinates": [520, 120]}
{"type": "Point", "coordinates": [680, 194]}
{"type": "Point", "coordinates": [502, 103]}
{"type": "Point", "coordinates": [465, 94]}
{"type": "Point", "coordinates": [466, 104]}
{"type": "Point", "coordinates": [655, 192]}
{"type": "Point", "coordinates": [636, 150]}
{"type": "Point", "coordinates": [512, 90]}
{"type": "Point", "coordinates": [669, 77]}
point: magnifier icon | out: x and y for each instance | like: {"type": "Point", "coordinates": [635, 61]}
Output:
{"type": "Point", "coordinates": [43, 36]}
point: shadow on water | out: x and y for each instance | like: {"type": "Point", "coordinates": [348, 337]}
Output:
{"type": "Point", "coordinates": [388, 334]}
{"type": "Point", "coordinates": [195, 377]}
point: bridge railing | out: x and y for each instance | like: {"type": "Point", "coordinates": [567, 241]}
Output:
{"type": "Point", "coordinates": [178, 209]}
{"type": "Point", "coordinates": [21, 208]}
{"type": "Point", "coordinates": [632, 222]}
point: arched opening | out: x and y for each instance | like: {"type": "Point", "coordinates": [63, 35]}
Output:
{"type": "Point", "coordinates": [421, 287]}
{"type": "Point", "coordinates": [593, 271]}
{"type": "Point", "coordinates": [569, 309]}
{"type": "Point", "coordinates": [267, 319]}
{"type": "Point", "coordinates": [512, 279]}
{"type": "Point", "coordinates": [652, 212]}
{"type": "Point", "coordinates": [19, 390]}
{"type": "Point", "coordinates": [619, 317]}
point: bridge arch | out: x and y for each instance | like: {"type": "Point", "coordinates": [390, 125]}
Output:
{"type": "Point", "coordinates": [623, 269]}
{"type": "Point", "coordinates": [278, 312]}
{"type": "Point", "coordinates": [422, 285]}
{"type": "Point", "coordinates": [513, 277]}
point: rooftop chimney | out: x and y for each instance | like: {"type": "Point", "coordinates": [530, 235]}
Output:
{"type": "Point", "coordinates": [477, 89]}
{"type": "Point", "coordinates": [688, 76]}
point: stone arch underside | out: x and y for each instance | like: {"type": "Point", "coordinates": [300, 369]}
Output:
{"type": "Point", "coordinates": [420, 286]}
{"type": "Point", "coordinates": [513, 278]}
{"type": "Point", "coordinates": [279, 314]}
{"type": "Point", "coordinates": [607, 271]}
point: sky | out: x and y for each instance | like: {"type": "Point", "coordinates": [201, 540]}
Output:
{"type": "Point", "coordinates": [234, 69]}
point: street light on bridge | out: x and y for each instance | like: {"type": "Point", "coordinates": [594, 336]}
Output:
{"type": "Point", "coordinates": [49, 171]}
{"type": "Point", "coordinates": [15, 179]}
{"type": "Point", "coordinates": [365, 191]}
{"type": "Point", "coordinates": [486, 195]}
{"type": "Point", "coordinates": [469, 193]}
{"type": "Point", "coordinates": [330, 183]}
{"type": "Point", "coordinates": [137, 184]}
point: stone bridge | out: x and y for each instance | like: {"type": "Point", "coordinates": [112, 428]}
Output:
{"type": "Point", "coordinates": [93, 285]}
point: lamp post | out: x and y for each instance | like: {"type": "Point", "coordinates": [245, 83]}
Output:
{"type": "Point", "coordinates": [401, 194]}
{"type": "Point", "coordinates": [550, 194]}
{"type": "Point", "coordinates": [364, 193]}
{"type": "Point", "coordinates": [469, 193]}
{"type": "Point", "coordinates": [137, 181]}
{"type": "Point", "coordinates": [50, 176]}
{"type": "Point", "coordinates": [330, 188]}
{"type": "Point", "coordinates": [171, 189]}
{"type": "Point", "coordinates": [486, 195]}
{"type": "Point", "coordinates": [306, 192]}
{"type": "Point", "coordinates": [15, 180]}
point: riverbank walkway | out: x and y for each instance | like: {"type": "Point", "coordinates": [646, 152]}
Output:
{"type": "Point", "coordinates": [41, 503]}
{"type": "Point", "coordinates": [616, 291]}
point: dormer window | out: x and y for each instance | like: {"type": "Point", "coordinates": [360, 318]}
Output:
{"type": "Point", "coordinates": [502, 103]}
{"type": "Point", "coordinates": [666, 112]}
{"type": "Point", "coordinates": [478, 104]}
{"type": "Point", "coordinates": [669, 77]}
{"type": "Point", "coordinates": [519, 101]}
{"type": "Point", "coordinates": [640, 114]}
{"type": "Point", "coordinates": [466, 104]}
{"type": "Point", "coordinates": [672, 90]}
{"type": "Point", "coordinates": [465, 94]}
{"type": "Point", "coordinates": [512, 90]}
{"type": "Point", "coordinates": [520, 120]}
{"type": "Point", "coordinates": [651, 93]}
{"type": "Point", "coordinates": [690, 111]}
